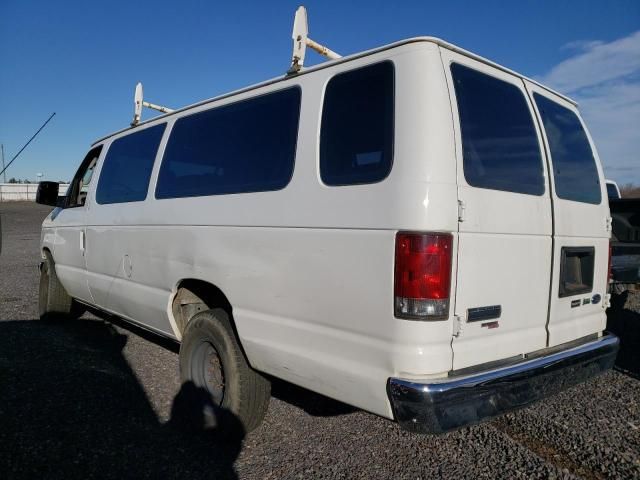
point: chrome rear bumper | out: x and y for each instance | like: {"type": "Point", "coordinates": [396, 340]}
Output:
{"type": "Point", "coordinates": [455, 402]}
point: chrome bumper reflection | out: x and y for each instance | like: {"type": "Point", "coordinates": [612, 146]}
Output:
{"type": "Point", "coordinates": [455, 402]}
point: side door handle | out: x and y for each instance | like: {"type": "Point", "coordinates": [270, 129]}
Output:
{"type": "Point", "coordinates": [82, 241]}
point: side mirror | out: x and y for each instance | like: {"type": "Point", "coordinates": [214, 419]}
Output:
{"type": "Point", "coordinates": [47, 193]}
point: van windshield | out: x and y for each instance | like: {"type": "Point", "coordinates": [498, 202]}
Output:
{"type": "Point", "coordinates": [574, 166]}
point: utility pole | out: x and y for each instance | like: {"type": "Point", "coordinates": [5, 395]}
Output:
{"type": "Point", "coordinates": [28, 142]}
{"type": "Point", "coordinates": [4, 173]}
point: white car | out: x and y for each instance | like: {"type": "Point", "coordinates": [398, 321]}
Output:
{"type": "Point", "coordinates": [413, 230]}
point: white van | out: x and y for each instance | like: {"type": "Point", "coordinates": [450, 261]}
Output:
{"type": "Point", "coordinates": [413, 230]}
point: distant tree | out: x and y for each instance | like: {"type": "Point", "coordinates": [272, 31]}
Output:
{"type": "Point", "coordinates": [630, 190]}
{"type": "Point", "coordinates": [13, 180]}
{"type": "Point", "coordinates": [26, 180]}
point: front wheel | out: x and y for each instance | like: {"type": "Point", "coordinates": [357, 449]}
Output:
{"type": "Point", "coordinates": [211, 358]}
{"type": "Point", "coordinates": [53, 300]}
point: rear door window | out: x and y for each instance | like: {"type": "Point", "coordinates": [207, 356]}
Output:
{"type": "Point", "coordinates": [499, 140]}
{"type": "Point", "coordinates": [127, 166]}
{"type": "Point", "coordinates": [356, 137]}
{"type": "Point", "coordinates": [574, 166]}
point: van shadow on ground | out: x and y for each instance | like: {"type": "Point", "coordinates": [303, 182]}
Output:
{"type": "Point", "coordinates": [70, 407]}
{"type": "Point", "coordinates": [314, 404]}
{"type": "Point", "coordinates": [626, 324]}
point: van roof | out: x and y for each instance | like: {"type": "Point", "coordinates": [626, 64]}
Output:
{"type": "Point", "coordinates": [329, 63]}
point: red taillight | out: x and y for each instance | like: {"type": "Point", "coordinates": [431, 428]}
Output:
{"type": "Point", "coordinates": [423, 275]}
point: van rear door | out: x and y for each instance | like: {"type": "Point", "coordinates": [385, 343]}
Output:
{"type": "Point", "coordinates": [505, 227]}
{"type": "Point", "coordinates": [581, 221]}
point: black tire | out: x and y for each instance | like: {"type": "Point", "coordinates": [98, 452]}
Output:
{"type": "Point", "coordinates": [54, 302]}
{"type": "Point", "coordinates": [209, 344]}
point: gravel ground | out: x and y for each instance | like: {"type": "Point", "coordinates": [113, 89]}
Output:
{"type": "Point", "coordinates": [90, 399]}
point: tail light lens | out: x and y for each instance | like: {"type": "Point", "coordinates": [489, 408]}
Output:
{"type": "Point", "coordinates": [423, 275]}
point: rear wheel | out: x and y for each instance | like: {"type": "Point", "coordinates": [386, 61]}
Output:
{"type": "Point", "coordinates": [53, 300]}
{"type": "Point", "coordinates": [212, 359]}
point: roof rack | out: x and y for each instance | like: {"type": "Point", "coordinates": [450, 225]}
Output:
{"type": "Point", "coordinates": [301, 41]}
{"type": "Point", "coordinates": [138, 103]}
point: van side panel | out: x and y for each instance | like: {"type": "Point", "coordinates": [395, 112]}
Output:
{"type": "Point", "coordinates": [308, 269]}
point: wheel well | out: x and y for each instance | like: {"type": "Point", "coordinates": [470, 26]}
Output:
{"type": "Point", "coordinates": [194, 296]}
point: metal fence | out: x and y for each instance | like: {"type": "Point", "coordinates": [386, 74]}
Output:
{"type": "Point", "coordinates": [13, 192]}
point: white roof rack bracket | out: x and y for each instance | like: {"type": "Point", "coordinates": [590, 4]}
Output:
{"type": "Point", "coordinates": [301, 41]}
{"type": "Point", "coordinates": [138, 103]}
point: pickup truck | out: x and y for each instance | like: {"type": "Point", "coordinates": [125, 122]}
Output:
{"type": "Point", "coordinates": [625, 242]}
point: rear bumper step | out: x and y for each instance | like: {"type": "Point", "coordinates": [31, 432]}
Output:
{"type": "Point", "coordinates": [450, 403]}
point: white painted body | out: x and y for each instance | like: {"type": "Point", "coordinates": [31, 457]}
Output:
{"type": "Point", "coordinates": [309, 270]}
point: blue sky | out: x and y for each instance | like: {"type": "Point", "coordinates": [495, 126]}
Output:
{"type": "Point", "coordinates": [82, 60]}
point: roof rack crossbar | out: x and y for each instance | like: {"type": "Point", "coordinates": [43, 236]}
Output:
{"type": "Point", "coordinates": [301, 41]}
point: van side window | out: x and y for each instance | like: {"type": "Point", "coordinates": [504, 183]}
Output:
{"type": "Point", "coordinates": [574, 167]}
{"type": "Point", "coordinates": [247, 146]}
{"type": "Point", "coordinates": [356, 136]}
{"type": "Point", "coordinates": [127, 166]}
{"type": "Point", "coordinates": [499, 142]}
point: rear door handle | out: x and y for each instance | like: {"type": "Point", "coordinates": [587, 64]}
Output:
{"type": "Point", "coordinates": [82, 241]}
